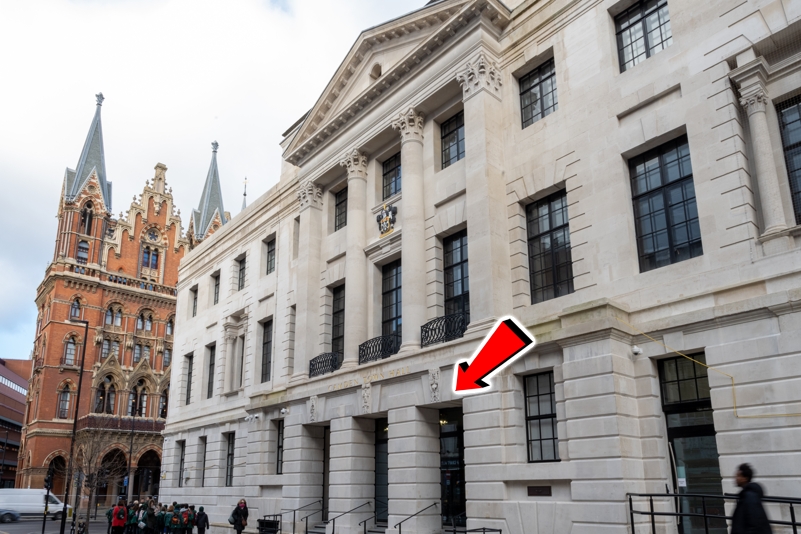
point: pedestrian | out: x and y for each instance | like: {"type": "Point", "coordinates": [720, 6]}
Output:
{"type": "Point", "coordinates": [151, 520]}
{"type": "Point", "coordinates": [190, 519]}
{"type": "Point", "coordinates": [749, 514]}
{"type": "Point", "coordinates": [119, 518]}
{"type": "Point", "coordinates": [202, 521]}
{"type": "Point", "coordinates": [130, 527]}
{"type": "Point", "coordinates": [240, 516]}
{"type": "Point", "coordinates": [175, 521]}
{"type": "Point", "coordinates": [109, 516]}
{"type": "Point", "coordinates": [160, 513]}
{"type": "Point", "coordinates": [168, 515]}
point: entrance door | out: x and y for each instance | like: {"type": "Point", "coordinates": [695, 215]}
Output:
{"type": "Point", "coordinates": [691, 434]}
{"type": "Point", "coordinates": [381, 470]}
{"type": "Point", "coordinates": [451, 456]}
{"type": "Point", "coordinates": [326, 468]}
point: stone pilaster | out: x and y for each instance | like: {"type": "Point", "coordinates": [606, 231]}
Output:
{"type": "Point", "coordinates": [228, 358]}
{"type": "Point", "coordinates": [355, 260]}
{"type": "Point", "coordinates": [487, 229]}
{"type": "Point", "coordinates": [352, 470]}
{"type": "Point", "coordinates": [302, 469]}
{"type": "Point", "coordinates": [410, 126]}
{"type": "Point", "coordinates": [308, 289]}
{"type": "Point", "coordinates": [414, 469]}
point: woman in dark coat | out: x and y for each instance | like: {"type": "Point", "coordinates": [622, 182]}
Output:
{"type": "Point", "coordinates": [240, 515]}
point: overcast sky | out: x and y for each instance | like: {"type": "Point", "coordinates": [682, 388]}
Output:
{"type": "Point", "coordinates": [177, 75]}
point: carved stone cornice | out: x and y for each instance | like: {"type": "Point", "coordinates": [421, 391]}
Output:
{"type": "Point", "coordinates": [356, 164]}
{"type": "Point", "coordinates": [756, 102]}
{"type": "Point", "coordinates": [481, 74]}
{"type": "Point", "coordinates": [309, 195]}
{"type": "Point", "coordinates": [410, 125]}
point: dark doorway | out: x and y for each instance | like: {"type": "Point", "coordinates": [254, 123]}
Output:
{"type": "Point", "coordinates": [59, 466]}
{"type": "Point", "coordinates": [691, 437]}
{"type": "Point", "coordinates": [381, 470]}
{"type": "Point", "coordinates": [148, 472]}
{"type": "Point", "coordinates": [326, 469]}
{"type": "Point", "coordinates": [114, 466]}
{"type": "Point", "coordinates": [451, 461]}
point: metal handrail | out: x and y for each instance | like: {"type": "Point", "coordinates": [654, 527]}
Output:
{"type": "Point", "coordinates": [411, 516]}
{"type": "Point", "coordinates": [304, 519]}
{"type": "Point", "coordinates": [333, 520]}
{"type": "Point", "coordinates": [375, 515]}
{"type": "Point", "coordinates": [301, 508]}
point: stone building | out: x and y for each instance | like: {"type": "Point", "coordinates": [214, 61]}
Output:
{"type": "Point", "coordinates": [13, 388]}
{"type": "Point", "coordinates": [120, 275]}
{"type": "Point", "coordinates": [620, 176]}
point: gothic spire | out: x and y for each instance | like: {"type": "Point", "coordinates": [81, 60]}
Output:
{"type": "Point", "coordinates": [92, 159]}
{"type": "Point", "coordinates": [211, 201]}
{"type": "Point", "coordinates": [245, 195]}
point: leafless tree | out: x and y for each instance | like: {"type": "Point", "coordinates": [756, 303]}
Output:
{"type": "Point", "coordinates": [95, 467]}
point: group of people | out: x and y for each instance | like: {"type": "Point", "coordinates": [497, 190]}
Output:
{"type": "Point", "coordinates": [156, 518]}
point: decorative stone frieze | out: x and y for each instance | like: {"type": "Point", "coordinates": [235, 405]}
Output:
{"type": "Point", "coordinates": [367, 398]}
{"type": "Point", "coordinates": [410, 125]}
{"type": "Point", "coordinates": [433, 384]}
{"type": "Point", "coordinates": [480, 74]}
{"type": "Point", "coordinates": [313, 408]}
{"type": "Point", "coordinates": [356, 164]}
{"type": "Point", "coordinates": [309, 195]}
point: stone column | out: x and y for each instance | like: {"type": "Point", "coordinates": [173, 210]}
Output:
{"type": "Point", "coordinates": [755, 104]}
{"type": "Point", "coordinates": [308, 271]}
{"type": "Point", "coordinates": [410, 126]}
{"type": "Point", "coordinates": [487, 221]}
{"type": "Point", "coordinates": [414, 469]}
{"type": "Point", "coordinates": [302, 469]}
{"type": "Point", "coordinates": [352, 470]}
{"type": "Point", "coordinates": [228, 358]}
{"type": "Point", "coordinates": [355, 260]}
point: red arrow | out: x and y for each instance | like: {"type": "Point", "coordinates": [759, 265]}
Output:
{"type": "Point", "coordinates": [507, 340]}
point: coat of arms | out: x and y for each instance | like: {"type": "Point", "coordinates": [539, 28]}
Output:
{"type": "Point", "coordinates": [386, 219]}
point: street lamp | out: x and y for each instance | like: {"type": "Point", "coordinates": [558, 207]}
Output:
{"type": "Point", "coordinates": [74, 428]}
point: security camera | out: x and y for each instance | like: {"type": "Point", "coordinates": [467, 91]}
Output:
{"type": "Point", "coordinates": [284, 411]}
{"type": "Point", "coordinates": [636, 350]}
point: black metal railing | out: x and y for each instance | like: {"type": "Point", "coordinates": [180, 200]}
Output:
{"type": "Point", "coordinates": [294, 510]}
{"type": "Point", "coordinates": [379, 348]}
{"type": "Point", "coordinates": [327, 362]}
{"type": "Point", "coordinates": [463, 530]}
{"type": "Point", "coordinates": [443, 329]}
{"type": "Point", "coordinates": [333, 520]}
{"type": "Point", "coordinates": [379, 505]}
{"type": "Point", "coordinates": [398, 525]}
{"type": "Point", "coordinates": [705, 511]}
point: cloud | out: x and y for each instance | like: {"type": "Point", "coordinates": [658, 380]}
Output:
{"type": "Point", "coordinates": [176, 74]}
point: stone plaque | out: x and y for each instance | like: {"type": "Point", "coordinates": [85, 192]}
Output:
{"type": "Point", "coordinates": [539, 491]}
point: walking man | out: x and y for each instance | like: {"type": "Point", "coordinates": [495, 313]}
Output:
{"type": "Point", "coordinates": [749, 515]}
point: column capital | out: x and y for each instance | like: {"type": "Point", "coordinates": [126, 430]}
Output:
{"type": "Point", "coordinates": [754, 102]}
{"type": "Point", "coordinates": [309, 195]}
{"type": "Point", "coordinates": [410, 125]}
{"type": "Point", "coordinates": [356, 164]}
{"type": "Point", "coordinates": [480, 74]}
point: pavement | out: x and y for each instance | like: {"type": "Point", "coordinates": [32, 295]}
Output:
{"type": "Point", "coordinates": [34, 526]}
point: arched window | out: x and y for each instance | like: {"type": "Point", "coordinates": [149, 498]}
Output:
{"type": "Point", "coordinates": [106, 348]}
{"type": "Point", "coordinates": [64, 403]}
{"type": "Point", "coordinates": [137, 400]}
{"type": "Point", "coordinates": [105, 397]}
{"type": "Point", "coordinates": [83, 252]}
{"type": "Point", "coordinates": [169, 327]}
{"type": "Point", "coordinates": [163, 402]}
{"type": "Point", "coordinates": [148, 323]}
{"type": "Point", "coordinates": [154, 259]}
{"type": "Point", "coordinates": [146, 257]}
{"type": "Point", "coordinates": [140, 322]}
{"type": "Point", "coordinates": [86, 219]}
{"type": "Point", "coordinates": [115, 348]}
{"type": "Point", "coordinates": [137, 353]}
{"type": "Point", "coordinates": [75, 310]}
{"type": "Point", "coordinates": [146, 352]}
{"type": "Point", "coordinates": [109, 317]}
{"type": "Point", "coordinates": [69, 352]}
{"type": "Point", "coordinates": [167, 358]}
{"type": "Point", "coordinates": [118, 318]}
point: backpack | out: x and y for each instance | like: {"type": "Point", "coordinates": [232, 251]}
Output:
{"type": "Point", "coordinates": [120, 512]}
{"type": "Point", "coordinates": [185, 518]}
{"type": "Point", "coordinates": [174, 522]}
{"type": "Point", "coordinates": [191, 518]}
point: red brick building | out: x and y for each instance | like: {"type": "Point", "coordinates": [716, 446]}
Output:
{"type": "Point", "coordinates": [12, 412]}
{"type": "Point", "coordinates": [119, 274]}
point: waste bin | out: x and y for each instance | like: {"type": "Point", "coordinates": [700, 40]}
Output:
{"type": "Point", "coordinates": [270, 524]}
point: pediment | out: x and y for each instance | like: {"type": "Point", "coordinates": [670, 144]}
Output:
{"type": "Point", "coordinates": [399, 45]}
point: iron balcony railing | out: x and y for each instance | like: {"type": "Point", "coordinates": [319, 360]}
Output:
{"type": "Point", "coordinates": [327, 362]}
{"type": "Point", "coordinates": [443, 329]}
{"type": "Point", "coordinates": [379, 348]}
{"type": "Point", "coordinates": [706, 513]}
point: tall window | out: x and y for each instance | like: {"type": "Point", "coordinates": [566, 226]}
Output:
{"type": "Point", "coordinates": [137, 400]}
{"type": "Point", "coordinates": [115, 348]}
{"type": "Point", "coordinates": [229, 459]}
{"type": "Point", "coordinates": [140, 322]}
{"type": "Point", "coordinates": [270, 256]}
{"type": "Point", "coordinates": [154, 259]}
{"type": "Point", "coordinates": [338, 321]}
{"type": "Point", "coordinates": [203, 450]}
{"type": "Point", "coordinates": [83, 253]}
{"type": "Point", "coordinates": [242, 269]}
{"type": "Point", "coordinates": [541, 418]}
{"type": "Point", "coordinates": [538, 93]}
{"type": "Point", "coordinates": [216, 282]}
{"type": "Point", "coordinates": [167, 358]}
{"type": "Point", "coordinates": [146, 257]}
{"type": "Point", "coordinates": [64, 403]}
{"type": "Point", "coordinates": [148, 323]}
{"type": "Point", "coordinates": [642, 31]}
{"type": "Point", "coordinates": [457, 277]}
{"type": "Point", "coordinates": [146, 352]}
{"type": "Point", "coordinates": [181, 460]}
{"type": "Point", "coordinates": [193, 293]}
{"type": "Point", "coordinates": [210, 378]}
{"type": "Point", "coordinates": [86, 219]}
{"type": "Point", "coordinates": [137, 357]}
{"type": "Point", "coordinates": [266, 351]}
{"type": "Point", "coordinates": [391, 302]}
{"type": "Point", "coordinates": [392, 175]}
{"type": "Point", "coordinates": [452, 138]}
{"type": "Point", "coordinates": [75, 310]}
{"type": "Point", "coordinates": [550, 261]}
{"type": "Point", "coordinates": [69, 352]}
{"type": "Point", "coordinates": [104, 352]}
{"type": "Point", "coordinates": [190, 361]}
{"type": "Point", "coordinates": [105, 397]}
{"type": "Point", "coordinates": [665, 212]}
{"type": "Point", "coordinates": [164, 402]}
{"type": "Point", "coordinates": [279, 463]}
{"type": "Point", "coordinates": [341, 209]}
{"type": "Point", "coordinates": [109, 321]}
{"type": "Point", "coordinates": [790, 124]}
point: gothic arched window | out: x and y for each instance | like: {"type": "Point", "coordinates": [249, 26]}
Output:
{"type": "Point", "coordinates": [140, 322]}
{"type": "Point", "coordinates": [118, 318]}
{"type": "Point", "coordinates": [170, 325]}
{"type": "Point", "coordinates": [83, 252]}
{"type": "Point", "coordinates": [109, 317]}
{"type": "Point", "coordinates": [63, 403]}
{"type": "Point", "coordinates": [75, 310]}
{"type": "Point", "coordinates": [69, 352]}
{"type": "Point", "coordinates": [163, 402]}
{"type": "Point", "coordinates": [105, 396]}
{"type": "Point", "coordinates": [86, 219]}
{"type": "Point", "coordinates": [137, 400]}
{"type": "Point", "coordinates": [137, 353]}
{"type": "Point", "coordinates": [154, 259]}
{"type": "Point", "coordinates": [148, 323]}
{"type": "Point", "coordinates": [106, 349]}
{"type": "Point", "coordinates": [146, 257]}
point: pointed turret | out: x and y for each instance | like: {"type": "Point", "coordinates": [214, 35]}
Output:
{"type": "Point", "coordinates": [210, 214]}
{"type": "Point", "coordinates": [92, 160]}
